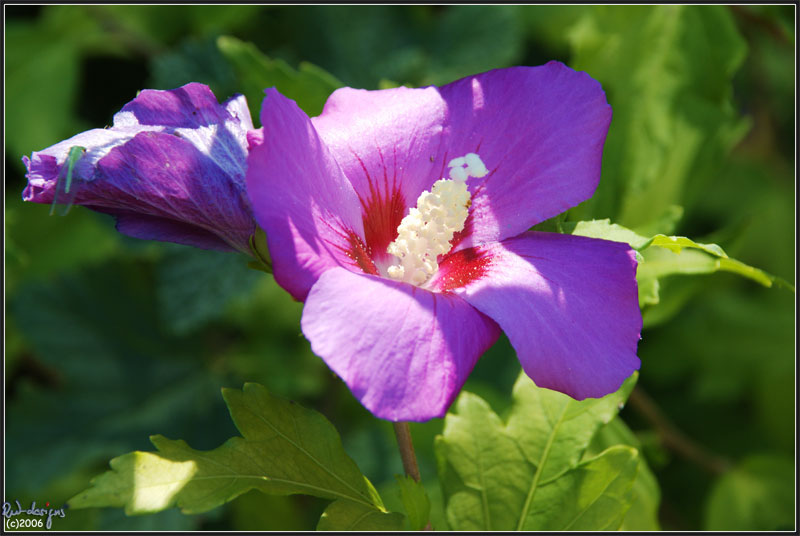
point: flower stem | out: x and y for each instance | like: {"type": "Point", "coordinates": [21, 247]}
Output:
{"type": "Point", "coordinates": [403, 434]}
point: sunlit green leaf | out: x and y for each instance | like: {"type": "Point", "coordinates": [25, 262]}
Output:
{"type": "Point", "coordinates": [526, 473]}
{"type": "Point", "coordinates": [643, 513]}
{"type": "Point", "coordinates": [649, 289]}
{"type": "Point", "coordinates": [660, 256]}
{"type": "Point", "coordinates": [309, 85]}
{"type": "Point", "coordinates": [607, 231]}
{"type": "Point", "coordinates": [660, 260]}
{"type": "Point", "coordinates": [595, 495]}
{"type": "Point", "coordinates": [285, 449]}
{"type": "Point", "coordinates": [674, 120]}
{"type": "Point", "coordinates": [562, 428]}
{"type": "Point", "coordinates": [677, 243]}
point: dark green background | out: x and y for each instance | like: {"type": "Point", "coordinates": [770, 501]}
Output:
{"type": "Point", "coordinates": [109, 340]}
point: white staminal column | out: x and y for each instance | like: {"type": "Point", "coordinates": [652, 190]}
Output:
{"type": "Point", "coordinates": [426, 232]}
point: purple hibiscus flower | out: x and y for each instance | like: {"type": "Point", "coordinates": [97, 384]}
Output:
{"type": "Point", "coordinates": [400, 217]}
{"type": "Point", "coordinates": [171, 168]}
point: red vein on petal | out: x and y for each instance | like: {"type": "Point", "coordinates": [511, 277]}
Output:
{"type": "Point", "coordinates": [381, 213]}
{"type": "Point", "coordinates": [355, 250]}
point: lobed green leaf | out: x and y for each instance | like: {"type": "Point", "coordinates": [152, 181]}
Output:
{"type": "Point", "coordinates": [527, 473]}
{"type": "Point", "coordinates": [285, 449]}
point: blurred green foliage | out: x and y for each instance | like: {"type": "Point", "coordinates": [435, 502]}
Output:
{"type": "Point", "coordinates": [109, 340]}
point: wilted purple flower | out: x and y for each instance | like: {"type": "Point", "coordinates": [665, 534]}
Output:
{"type": "Point", "coordinates": [171, 168]}
{"type": "Point", "coordinates": [405, 288]}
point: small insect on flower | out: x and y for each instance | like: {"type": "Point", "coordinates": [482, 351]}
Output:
{"type": "Point", "coordinates": [64, 185]}
{"type": "Point", "coordinates": [170, 168]}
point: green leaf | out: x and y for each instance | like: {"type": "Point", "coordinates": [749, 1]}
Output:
{"type": "Point", "coordinates": [285, 449]}
{"type": "Point", "coordinates": [347, 515]}
{"type": "Point", "coordinates": [415, 500]}
{"type": "Point", "coordinates": [527, 473]}
{"type": "Point", "coordinates": [595, 495]}
{"type": "Point", "coordinates": [649, 289]}
{"type": "Point", "coordinates": [643, 513]}
{"type": "Point", "coordinates": [309, 85]}
{"type": "Point", "coordinates": [563, 428]}
{"type": "Point", "coordinates": [677, 243]}
{"type": "Point", "coordinates": [260, 251]}
{"type": "Point", "coordinates": [674, 118]}
{"type": "Point", "coordinates": [607, 231]}
{"type": "Point", "coordinates": [756, 495]}
{"type": "Point", "coordinates": [660, 256]}
{"type": "Point", "coordinates": [254, 511]}
{"type": "Point", "coordinates": [661, 260]}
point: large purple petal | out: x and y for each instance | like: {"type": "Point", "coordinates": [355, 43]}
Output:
{"type": "Point", "coordinates": [404, 352]}
{"type": "Point", "coordinates": [539, 130]}
{"type": "Point", "coordinates": [387, 144]}
{"type": "Point", "coordinates": [568, 304]}
{"type": "Point", "coordinates": [171, 168]}
{"type": "Point", "coordinates": [302, 200]}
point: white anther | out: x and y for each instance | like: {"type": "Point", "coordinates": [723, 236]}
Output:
{"type": "Point", "coordinates": [426, 232]}
{"type": "Point", "coordinates": [458, 174]}
{"type": "Point", "coordinates": [475, 167]}
{"type": "Point", "coordinates": [469, 165]}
